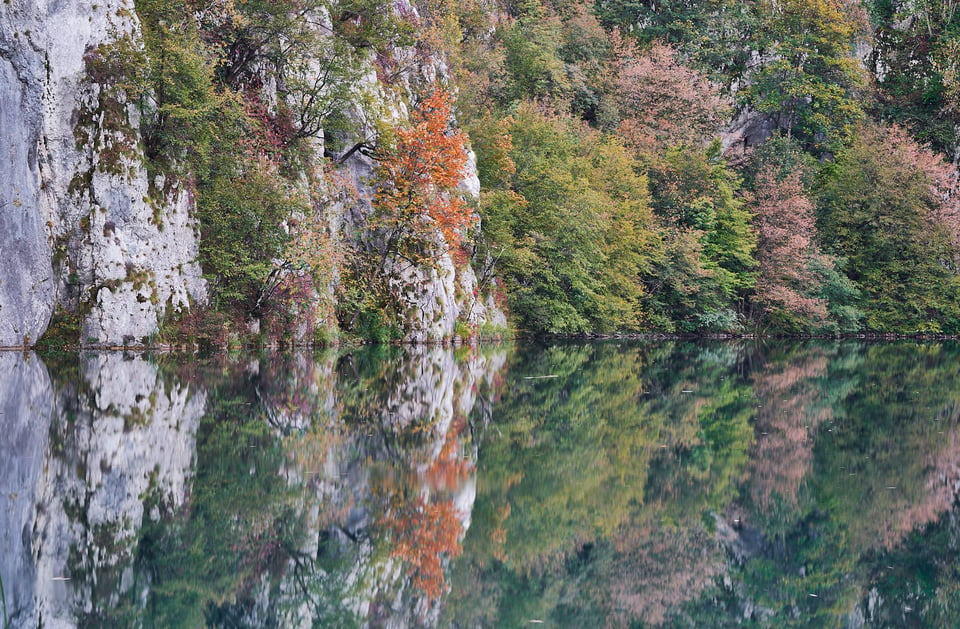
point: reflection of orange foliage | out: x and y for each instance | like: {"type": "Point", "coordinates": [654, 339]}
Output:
{"type": "Point", "coordinates": [423, 533]}
{"type": "Point", "coordinates": [448, 469]}
{"type": "Point", "coordinates": [426, 529]}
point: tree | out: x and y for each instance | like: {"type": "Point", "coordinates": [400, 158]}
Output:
{"type": "Point", "coordinates": [809, 75]}
{"type": "Point", "coordinates": [184, 112]}
{"type": "Point", "coordinates": [662, 102]}
{"type": "Point", "coordinates": [571, 225]}
{"type": "Point", "coordinates": [787, 251]}
{"type": "Point", "coordinates": [707, 264]}
{"type": "Point", "coordinates": [531, 44]}
{"type": "Point", "coordinates": [313, 50]}
{"type": "Point", "coordinates": [915, 60]}
{"type": "Point", "coordinates": [710, 34]}
{"type": "Point", "coordinates": [890, 207]}
{"type": "Point", "coordinates": [418, 178]}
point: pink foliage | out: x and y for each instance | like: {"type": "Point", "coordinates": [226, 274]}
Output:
{"type": "Point", "coordinates": [788, 415]}
{"type": "Point", "coordinates": [658, 566]}
{"type": "Point", "coordinates": [662, 101]}
{"type": "Point", "coordinates": [786, 248]}
{"type": "Point", "coordinates": [943, 177]}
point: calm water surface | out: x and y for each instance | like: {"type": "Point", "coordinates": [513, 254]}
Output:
{"type": "Point", "coordinates": [583, 485]}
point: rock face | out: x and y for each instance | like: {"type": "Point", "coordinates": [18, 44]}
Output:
{"type": "Point", "coordinates": [433, 296]}
{"type": "Point", "coordinates": [84, 228]}
{"type": "Point", "coordinates": [26, 285]}
{"type": "Point", "coordinates": [77, 230]}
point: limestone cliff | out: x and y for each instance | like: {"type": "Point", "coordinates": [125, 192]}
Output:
{"type": "Point", "coordinates": [91, 461]}
{"type": "Point", "coordinates": [88, 227]}
{"type": "Point", "coordinates": [78, 230]}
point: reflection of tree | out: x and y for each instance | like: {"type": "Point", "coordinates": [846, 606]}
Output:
{"type": "Point", "coordinates": [298, 460]}
{"type": "Point", "coordinates": [790, 396]}
{"type": "Point", "coordinates": [340, 491]}
{"type": "Point", "coordinates": [240, 517]}
{"type": "Point", "coordinates": [628, 452]}
{"type": "Point", "coordinates": [596, 481]}
{"type": "Point", "coordinates": [889, 462]}
{"type": "Point", "coordinates": [918, 583]}
{"type": "Point", "coordinates": [877, 462]}
{"type": "Point", "coordinates": [653, 569]}
{"type": "Point", "coordinates": [419, 511]}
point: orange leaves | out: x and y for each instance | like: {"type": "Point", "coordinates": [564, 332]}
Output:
{"type": "Point", "coordinates": [422, 517]}
{"type": "Point", "coordinates": [449, 469]}
{"type": "Point", "coordinates": [420, 175]}
{"type": "Point", "coordinates": [423, 533]}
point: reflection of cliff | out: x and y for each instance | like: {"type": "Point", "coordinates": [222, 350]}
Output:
{"type": "Point", "coordinates": [278, 492]}
{"type": "Point", "coordinates": [97, 448]}
{"type": "Point", "coordinates": [26, 406]}
{"type": "Point", "coordinates": [380, 452]}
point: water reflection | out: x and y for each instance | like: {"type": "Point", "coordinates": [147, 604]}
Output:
{"type": "Point", "coordinates": [277, 491]}
{"type": "Point", "coordinates": [683, 485]}
{"type": "Point", "coordinates": [662, 484]}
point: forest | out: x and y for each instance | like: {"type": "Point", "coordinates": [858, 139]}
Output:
{"type": "Point", "coordinates": [759, 167]}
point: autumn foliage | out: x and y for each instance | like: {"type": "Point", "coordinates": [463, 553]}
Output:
{"type": "Point", "coordinates": [612, 199]}
{"type": "Point", "coordinates": [419, 177]}
{"type": "Point", "coordinates": [663, 102]}
{"type": "Point", "coordinates": [891, 209]}
{"type": "Point", "coordinates": [425, 527]}
{"type": "Point", "coordinates": [787, 251]}
{"type": "Point", "coordinates": [423, 533]}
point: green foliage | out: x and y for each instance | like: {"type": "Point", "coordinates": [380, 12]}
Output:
{"type": "Point", "coordinates": [366, 308]}
{"type": "Point", "coordinates": [206, 127]}
{"type": "Point", "coordinates": [880, 211]}
{"type": "Point", "coordinates": [708, 262]}
{"type": "Point", "coordinates": [811, 77]}
{"type": "Point", "coordinates": [316, 50]}
{"type": "Point", "coordinates": [63, 332]}
{"type": "Point", "coordinates": [714, 33]}
{"type": "Point", "coordinates": [184, 105]}
{"type": "Point", "coordinates": [241, 210]}
{"type": "Point", "coordinates": [573, 230]}
{"type": "Point", "coordinates": [915, 60]}
{"type": "Point", "coordinates": [532, 45]}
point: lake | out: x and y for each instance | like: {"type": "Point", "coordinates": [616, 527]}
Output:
{"type": "Point", "coordinates": [617, 483]}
